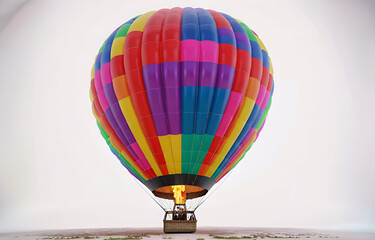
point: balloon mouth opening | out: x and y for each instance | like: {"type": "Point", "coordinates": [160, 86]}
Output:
{"type": "Point", "coordinates": [175, 191]}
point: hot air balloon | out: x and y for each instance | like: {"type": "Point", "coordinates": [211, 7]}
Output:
{"type": "Point", "coordinates": [180, 95]}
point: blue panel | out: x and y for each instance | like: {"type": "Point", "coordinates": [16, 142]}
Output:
{"type": "Point", "coordinates": [188, 98]}
{"type": "Point", "coordinates": [266, 61]}
{"type": "Point", "coordinates": [226, 35]}
{"type": "Point", "coordinates": [207, 26]}
{"type": "Point", "coordinates": [97, 62]}
{"type": "Point", "coordinates": [187, 123]}
{"type": "Point", "coordinates": [205, 95]}
{"type": "Point", "coordinates": [256, 51]}
{"type": "Point", "coordinates": [189, 24]}
{"type": "Point", "coordinates": [200, 122]}
{"type": "Point", "coordinates": [220, 100]}
{"type": "Point", "coordinates": [213, 123]}
{"type": "Point", "coordinates": [106, 57]}
{"type": "Point", "coordinates": [253, 115]}
{"type": "Point", "coordinates": [209, 33]}
{"type": "Point", "coordinates": [234, 23]}
{"type": "Point", "coordinates": [244, 46]}
{"type": "Point", "coordinates": [258, 118]}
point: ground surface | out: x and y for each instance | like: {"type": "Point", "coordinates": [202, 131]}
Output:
{"type": "Point", "coordinates": [202, 233]}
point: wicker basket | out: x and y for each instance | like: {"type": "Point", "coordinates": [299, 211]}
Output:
{"type": "Point", "coordinates": [180, 226]}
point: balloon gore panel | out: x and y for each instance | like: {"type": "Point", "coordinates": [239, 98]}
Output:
{"type": "Point", "coordinates": [180, 95]}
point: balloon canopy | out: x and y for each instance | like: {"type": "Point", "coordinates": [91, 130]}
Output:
{"type": "Point", "coordinates": [180, 95]}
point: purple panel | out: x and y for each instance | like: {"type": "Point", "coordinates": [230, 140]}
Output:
{"type": "Point", "coordinates": [172, 99]}
{"type": "Point", "coordinates": [116, 128]}
{"type": "Point", "coordinates": [171, 74]}
{"type": "Point", "coordinates": [160, 121]}
{"type": "Point", "coordinates": [225, 76]}
{"type": "Point", "coordinates": [189, 73]}
{"type": "Point", "coordinates": [241, 37]}
{"type": "Point", "coordinates": [172, 95]}
{"type": "Point", "coordinates": [174, 121]}
{"type": "Point", "coordinates": [207, 74]}
{"type": "Point", "coordinates": [156, 101]}
{"type": "Point", "coordinates": [110, 93]}
{"type": "Point", "coordinates": [152, 76]}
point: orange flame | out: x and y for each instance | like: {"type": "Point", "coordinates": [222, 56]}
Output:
{"type": "Point", "coordinates": [179, 193]}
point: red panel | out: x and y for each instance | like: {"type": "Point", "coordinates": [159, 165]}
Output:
{"type": "Point", "coordinates": [117, 66]}
{"type": "Point", "coordinates": [171, 35]}
{"type": "Point", "coordinates": [150, 53]}
{"type": "Point", "coordinates": [265, 75]}
{"type": "Point", "coordinates": [135, 81]}
{"type": "Point", "coordinates": [139, 102]}
{"type": "Point", "coordinates": [270, 83]}
{"type": "Point", "coordinates": [244, 60]}
{"type": "Point", "coordinates": [241, 79]}
{"type": "Point", "coordinates": [171, 51]}
{"type": "Point", "coordinates": [134, 54]}
{"type": "Point", "coordinates": [134, 77]}
{"type": "Point", "coordinates": [228, 54]}
{"type": "Point", "coordinates": [256, 68]}
{"type": "Point", "coordinates": [220, 20]}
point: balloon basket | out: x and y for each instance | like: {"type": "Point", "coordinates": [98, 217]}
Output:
{"type": "Point", "coordinates": [179, 220]}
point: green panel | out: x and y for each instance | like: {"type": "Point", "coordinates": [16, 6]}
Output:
{"type": "Point", "coordinates": [118, 155]}
{"type": "Point", "coordinates": [186, 147]}
{"type": "Point", "coordinates": [205, 144]}
{"type": "Point", "coordinates": [249, 33]}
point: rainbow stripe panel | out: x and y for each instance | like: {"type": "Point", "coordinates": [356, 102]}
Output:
{"type": "Point", "coordinates": [180, 95]}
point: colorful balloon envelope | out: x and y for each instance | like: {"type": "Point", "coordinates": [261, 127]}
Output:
{"type": "Point", "coordinates": [180, 95]}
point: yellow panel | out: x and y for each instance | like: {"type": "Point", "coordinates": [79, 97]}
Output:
{"type": "Point", "coordinates": [176, 149]}
{"type": "Point", "coordinates": [247, 108]}
{"type": "Point", "coordinates": [271, 67]}
{"type": "Point", "coordinates": [118, 46]}
{"type": "Point", "coordinates": [261, 43]}
{"type": "Point", "coordinates": [165, 143]}
{"type": "Point", "coordinates": [140, 22]}
{"type": "Point", "coordinates": [128, 110]}
{"type": "Point", "coordinates": [93, 71]}
{"type": "Point", "coordinates": [132, 120]}
{"type": "Point", "coordinates": [244, 115]}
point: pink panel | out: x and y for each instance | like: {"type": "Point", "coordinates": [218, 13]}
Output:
{"type": "Point", "coordinates": [106, 73]}
{"type": "Point", "coordinates": [142, 158]}
{"type": "Point", "coordinates": [209, 51]}
{"type": "Point", "coordinates": [190, 50]}
{"type": "Point", "coordinates": [99, 89]}
{"type": "Point", "coordinates": [230, 110]}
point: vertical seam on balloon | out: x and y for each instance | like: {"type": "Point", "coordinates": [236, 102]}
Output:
{"type": "Point", "coordinates": [163, 91]}
{"type": "Point", "coordinates": [197, 162]}
{"type": "Point", "coordinates": [247, 142]}
{"type": "Point", "coordinates": [114, 51]}
{"type": "Point", "coordinates": [108, 45]}
{"type": "Point", "coordinates": [223, 24]}
{"type": "Point", "coordinates": [164, 94]}
{"type": "Point", "coordinates": [237, 121]}
{"type": "Point", "coordinates": [159, 64]}
{"type": "Point", "coordinates": [135, 126]}
{"type": "Point", "coordinates": [196, 93]}
{"type": "Point", "coordinates": [95, 99]}
{"type": "Point", "coordinates": [104, 100]}
{"type": "Point", "coordinates": [216, 89]}
{"type": "Point", "coordinates": [263, 99]}
{"type": "Point", "coordinates": [138, 26]}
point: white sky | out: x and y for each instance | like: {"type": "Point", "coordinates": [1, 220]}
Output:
{"type": "Point", "coordinates": [313, 165]}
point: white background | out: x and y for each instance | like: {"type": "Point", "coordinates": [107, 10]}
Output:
{"type": "Point", "coordinates": [313, 165]}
